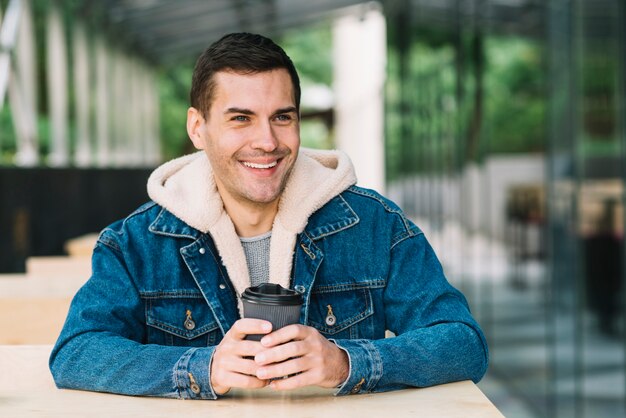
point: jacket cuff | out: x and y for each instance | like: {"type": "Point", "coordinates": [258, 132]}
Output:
{"type": "Point", "coordinates": [366, 366]}
{"type": "Point", "coordinates": [192, 374]}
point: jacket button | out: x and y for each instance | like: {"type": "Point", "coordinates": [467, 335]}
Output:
{"type": "Point", "coordinates": [222, 286]}
{"type": "Point", "coordinates": [202, 250]}
{"type": "Point", "coordinates": [331, 319]}
{"type": "Point", "coordinates": [300, 289]}
{"type": "Point", "coordinates": [195, 388]}
{"type": "Point", "coordinates": [189, 323]}
{"type": "Point", "coordinates": [357, 387]}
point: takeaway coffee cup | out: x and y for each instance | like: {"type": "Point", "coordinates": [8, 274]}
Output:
{"type": "Point", "coordinates": [273, 303]}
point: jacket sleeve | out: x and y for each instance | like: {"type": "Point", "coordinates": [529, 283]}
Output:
{"type": "Point", "coordinates": [437, 340]}
{"type": "Point", "coordinates": [101, 345]}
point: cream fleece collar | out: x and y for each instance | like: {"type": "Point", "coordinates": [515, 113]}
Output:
{"type": "Point", "coordinates": [186, 187]}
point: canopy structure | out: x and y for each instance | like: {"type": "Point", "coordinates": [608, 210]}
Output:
{"type": "Point", "coordinates": [169, 31]}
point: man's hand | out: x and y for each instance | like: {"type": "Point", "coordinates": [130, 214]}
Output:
{"type": "Point", "coordinates": [303, 351]}
{"type": "Point", "coordinates": [233, 364]}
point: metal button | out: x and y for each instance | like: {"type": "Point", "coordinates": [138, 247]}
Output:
{"type": "Point", "coordinates": [300, 289]}
{"type": "Point", "coordinates": [357, 387]}
{"type": "Point", "coordinates": [189, 323]}
{"type": "Point", "coordinates": [331, 319]}
{"type": "Point", "coordinates": [202, 250]}
{"type": "Point", "coordinates": [195, 388]}
{"type": "Point", "coordinates": [222, 286]}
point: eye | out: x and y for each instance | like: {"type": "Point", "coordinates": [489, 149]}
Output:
{"type": "Point", "coordinates": [240, 118]}
{"type": "Point", "coordinates": [283, 117]}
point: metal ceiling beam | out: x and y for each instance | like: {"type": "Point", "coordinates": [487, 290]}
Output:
{"type": "Point", "coordinates": [190, 36]}
{"type": "Point", "coordinates": [173, 30]}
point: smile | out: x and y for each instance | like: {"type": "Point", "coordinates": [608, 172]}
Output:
{"type": "Point", "coordinates": [255, 165]}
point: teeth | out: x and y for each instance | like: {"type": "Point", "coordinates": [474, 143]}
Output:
{"type": "Point", "coordinates": [254, 165]}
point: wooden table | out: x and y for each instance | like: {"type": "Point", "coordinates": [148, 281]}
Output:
{"type": "Point", "coordinates": [33, 310]}
{"type": "Point", "coordinates": [27, 390]}
{"type": "Point", "coordinates": [61, 266]}
{"type": "Point", "coordinates": [81, 246]}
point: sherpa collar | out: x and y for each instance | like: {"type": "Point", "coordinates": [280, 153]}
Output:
{"type": "Point", "coordinates": [186, 188]}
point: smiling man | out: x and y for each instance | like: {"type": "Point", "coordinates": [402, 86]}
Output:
{"type": "Point", "coordinates": [162, 313]}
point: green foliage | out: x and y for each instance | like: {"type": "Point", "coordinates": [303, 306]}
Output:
{"type": "Point", "coordinates": [310, 49]}
{"type": "Point", "coordinates": [314, 134]}
{"type": "Point", "coordinates": [430, 112]}
{"type": "Point", "coordinates": [174, 86]}
{"type": "Point", "coordinates": [7, 136]}
{"type": "Point", "coordinates": [421, 111]}
{"type": "Point", "coordinates": [516, 102]}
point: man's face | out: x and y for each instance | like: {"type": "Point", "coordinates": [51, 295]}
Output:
{"type": "Point", "coordinates": [251, 134]}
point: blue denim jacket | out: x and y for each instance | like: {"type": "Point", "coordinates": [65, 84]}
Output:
{"type": "Point", "coordinates": [126, 330]}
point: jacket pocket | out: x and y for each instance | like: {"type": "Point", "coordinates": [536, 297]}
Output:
{"type": "Point", "coordinates": [182, 319]}
{"type": "Point", "coordinates": [337, 312]}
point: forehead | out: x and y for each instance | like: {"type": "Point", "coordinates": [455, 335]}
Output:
{"type": "Point", "coordinates": [231, 87]}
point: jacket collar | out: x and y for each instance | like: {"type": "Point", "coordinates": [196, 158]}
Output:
{"type": "Point", "coordinates": [168, 224]}
{"type": "Point", "coordinates": [335, 216]}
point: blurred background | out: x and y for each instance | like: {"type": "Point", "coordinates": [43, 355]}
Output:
{"type": "Point", "coordinates": [499, 126]}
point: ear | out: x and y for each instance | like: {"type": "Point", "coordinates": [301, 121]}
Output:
{"type": "Point", "coordinates": [196, 127]}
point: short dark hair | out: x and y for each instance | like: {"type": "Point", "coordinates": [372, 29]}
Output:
{"type": "Point", "coordinates": [245, 53]}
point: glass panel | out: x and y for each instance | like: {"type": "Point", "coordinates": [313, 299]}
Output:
{"type": "Point", "coordinates": [509, 151]}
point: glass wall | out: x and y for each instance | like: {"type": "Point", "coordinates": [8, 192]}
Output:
{"type": "Point", "coordinates": [505, 142]}
{"type": "Point", "coordinates": [585, 183]}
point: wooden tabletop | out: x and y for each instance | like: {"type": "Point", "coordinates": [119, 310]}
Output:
{"type": "Point", "coordinates": [33, 309]}
{"type": "Point", "coordinates": [27, 390]}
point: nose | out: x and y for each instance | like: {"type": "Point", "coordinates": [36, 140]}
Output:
{"type": "Point", "coordinates": [265, 138]}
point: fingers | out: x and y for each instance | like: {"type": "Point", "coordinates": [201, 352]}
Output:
{"type": "Point", "coordinates": [280, 370]}
{"type": "Point", "coordinates": [223, 379]}
{"type": "Point", "coordinates": [232, 364]}
{"type": "Point", "coordinates": [304, 355]}
{"type": "Point", "coordinates": [286, 334]}
{"type": "Point", "coordinates": [296, 381]}
{"type": "Point", "coordinates": [285, 352]}
{"type": "Point", "coordinates": [246, 326]}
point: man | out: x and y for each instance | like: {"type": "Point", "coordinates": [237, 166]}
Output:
{"type": "Point", "coordinates": [161, 314]}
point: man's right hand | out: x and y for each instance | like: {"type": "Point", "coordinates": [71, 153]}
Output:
{"type": "Point", "coordinates": [233, 364]}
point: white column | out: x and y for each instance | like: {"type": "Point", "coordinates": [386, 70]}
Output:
{"type": "Point", "coordinates": [359, 57]}
{"type": "Point", "coordinates": [120, 109]}
{"type": "Point", "coordinates": [102, 104]}
{"type": "Point", "coordinates": [8, 33]}
{"type": "Point", "coordinates": [152, 145]}
{"type": "Point", "coordinates": [144, 107]}
{"type": "Point", "coordinates": [23, 90]}
{"type": "Point", "coordinates": [82, 97]}
{"type": "Point", "coordinates": [137, 113]}
{"type": "Point", "coordinates": [57, 68]}
{"type": "Point", "coordinates": [126, 146]}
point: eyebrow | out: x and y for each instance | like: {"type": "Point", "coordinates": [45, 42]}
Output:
{"type": "Point", "coordinates": [289, 109]}
{"type": "Point", "coordinates": [238, 110]}
{"type": "Point", "coordinates": [249, 112]}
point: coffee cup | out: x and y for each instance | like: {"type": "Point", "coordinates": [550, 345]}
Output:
{"type": "Point", "coordinates": [273, 303]}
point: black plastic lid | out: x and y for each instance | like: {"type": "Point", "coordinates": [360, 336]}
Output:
{"type": "Point", "coordinates": [271, 294]}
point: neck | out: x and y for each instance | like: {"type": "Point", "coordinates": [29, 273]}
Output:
{"type": "Point", "coordinates": [249, 219]}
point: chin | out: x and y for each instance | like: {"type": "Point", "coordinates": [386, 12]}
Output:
{"type": "Point", "coordinates": [265, 200]}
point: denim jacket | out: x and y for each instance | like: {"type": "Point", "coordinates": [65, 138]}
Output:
{"type": "Point", "coordinates": [160, 299]}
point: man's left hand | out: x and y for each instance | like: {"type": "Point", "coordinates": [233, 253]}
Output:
{"type": "Point", "coordinates": [303, 354]}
